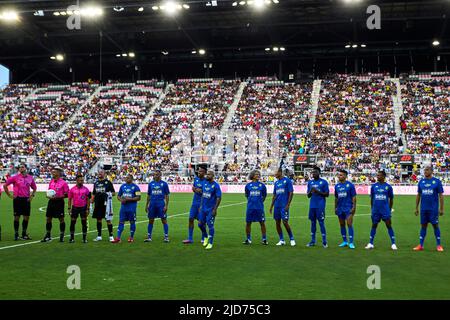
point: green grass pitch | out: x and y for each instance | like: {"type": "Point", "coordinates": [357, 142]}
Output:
{"type": "Point", "coordinates": [231, 270]}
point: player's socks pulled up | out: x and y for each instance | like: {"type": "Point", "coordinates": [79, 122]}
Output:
{"type": "Point", "coordinates": [191, 233]}
{"type": "Point", "coordinates": [344, 234]}
{"type": "Point", "coordinates": [132, 229]}
{"type": "Point", "coordinates": [373, 232]}
{"type": "Point", "coordinates": [437, 234]}
{"type": "Point", "coordinates": [120, 230]}
{"type": "Point", "coordinates": [423, 234]}
{"type": "Point", "coordinates": [149, 230]}
{"type": "Point", "coordinates": [351, 234]}
{"type": "Point", "coordinates": [166, 230]}
{"type": "Point", "coordinates": [391, 235]}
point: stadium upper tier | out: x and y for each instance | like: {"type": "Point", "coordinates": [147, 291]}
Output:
{"type": "Point", "coordinates": [347, 121]}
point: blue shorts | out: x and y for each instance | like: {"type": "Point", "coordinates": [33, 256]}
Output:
{"type": "Point", "coordinates": [280, 214]}
{"type": "Point", "coordinates": [127, 215]}
{"type": "Point", "coordinates": [429, 216]}
{"type": "Point", "coordinates": [343, 215]}
{"type": "Point", "coordinates": [206, 217]}
{"type": "Point", "coordinates": [378, 216]}
{"type": "Point", "coordinates": [316, 214]}
{"type": "Point", "coordinates": [156, 212]}
{"type": "Point", "coordinates": [194, 213]}
{"type": "Point", "coordinates": [255, 215]}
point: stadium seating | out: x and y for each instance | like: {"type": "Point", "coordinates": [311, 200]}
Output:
{"type": "Point", "coordinates": [355, 124]}
{"type": "Point", "coordinates": [426, 119]}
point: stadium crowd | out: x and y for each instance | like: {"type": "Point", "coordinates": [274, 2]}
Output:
{"type": "Point", "coordinates": [426, 120]}
{"type": "Point", "coordinates": [355, 124]}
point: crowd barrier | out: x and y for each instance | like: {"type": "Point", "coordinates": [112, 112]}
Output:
{"type": "Point", "coordinates": [186, 188]}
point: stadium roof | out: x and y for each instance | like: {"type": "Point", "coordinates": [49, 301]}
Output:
{"type": "Point", "coordinates": [314, 34]}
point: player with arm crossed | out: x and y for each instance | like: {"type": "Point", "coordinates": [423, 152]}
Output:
{"type": "Point", "coordinates": [55, 206]}
{"type": "Point", "coordinates": [129, 195]}
{"type": "Point", "coordinates": [256, 193]}
{"type": "Point", "coordinates": [283, 192]}
{"type": "Point", "coordinates": [345, 207]}
{"type": "Point", "coordinates": [430, 197]}
{"type": "Point", "coordinates": [381, 202]}
{"type": "Point", "coordinates": [22, 183]}
{"type": "Point", "coordinates": [211, 198]}
{"type": "Point", "coordinates": [157, 204]}
{"type": "Point", "coordinates": [196, 201]}
{"type": "Point", "coordinates": [317, 190]}
{"type": "Point", "coordinates": [79, 206]}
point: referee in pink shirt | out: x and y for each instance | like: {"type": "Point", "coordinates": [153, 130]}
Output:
{"type": "Point", "coordinates": [79, 204]}
{"type": "Point", "coordinates": [22, 183]}
{"type": "Point", "coordinates": [55, 206]}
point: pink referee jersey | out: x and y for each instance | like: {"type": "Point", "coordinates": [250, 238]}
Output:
{"type": "Point", "coordinates": [79, 196]}
{"type": "Point", "coordinates": [22, 185]}
{"type": "Point", "coordinates": [60, 186]}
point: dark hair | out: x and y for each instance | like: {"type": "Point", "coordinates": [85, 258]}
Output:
{"type": "Point", "coordinates": [343, 171]}
{"type": "Point", "coordinates": [382, 172]}
{"type": "Point", "coordinates": [79, 176]}
{"type": "Point", "coordinates": [316, 168]}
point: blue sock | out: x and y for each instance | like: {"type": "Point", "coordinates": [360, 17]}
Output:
{"type": "Point", "coordinates": [350, 233]}
{"type": "Point", "coordinates": [120, 229]}
{"type": "Point", "coordinates": [150, 230]}
{"type": "Point", "coordinates": [249, 237]}
{"type": "Point", "coordinates": [437, 234]}
{"type": "Point", "coordinates": [203, 229]}
{"type": "Point", "coordinates": [373, 231]}
{"type": "Point", "coordinates": [211, 235]}
{"type": "Point", "coordinates": [191, 233]}
{"type": "Point", "coordinates": [344, 233]}
{"type": "Point", "coordinates": [323, 231]}
{"type": "Point", "coordinates": [313, 230]}
{"type": "Point", "coordinates": [132, 229]}
{"type": "Point", "coordinates": [391, 234]}
{"type": "Point", "coordinates": [423, 233]}
{"type": "Point", "coordinates": [166, 229]}
{"type": "Point", "coordinates": [264, 237]}
{"type": "Point", "coordinates": [291, 236]}
{"type": "Point", "coordinates": [281, 236]}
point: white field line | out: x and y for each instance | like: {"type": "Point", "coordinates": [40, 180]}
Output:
{"type": "Point", "coordinates": [80, 233]}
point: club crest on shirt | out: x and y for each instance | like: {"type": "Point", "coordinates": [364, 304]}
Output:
{"type": "Point", "coordinates": [434, 182]}
{"type": "Point", "coordinates": [386, 188]}
{"type": "Point", "coordinates": [348, 185]}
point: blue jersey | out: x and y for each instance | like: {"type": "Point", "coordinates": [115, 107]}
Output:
{"type": "Point", "coordinates": [198, 183]}
{"type": "Point", "coordinates": [281, 190]}
{"type": "Point", "coordinates": [429, 189]}
{"type": "Point", "coordinates": [129, 191]}
{"type": "Point", "coordinates": [380, 193]}
{"type": "Point", "coordinates": [210, 193]}
{"type": "Point", "coordinates": [157, 192]}
{"type": "Point", "coordinates": [344, 193]}
{"type": "Point", "coordinates": [317, 201]}
{"type": "Point", "coordinates": [256, 193]}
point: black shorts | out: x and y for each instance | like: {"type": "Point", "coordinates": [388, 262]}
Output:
{"type": "Point", "coordinates": [78, 211]}
{"type": "Point", "coordinates": [21, 207]}
{"type": "Point", "coordinates": [99, 211]}
{"type": "Point", "coordinates": [55, 208]}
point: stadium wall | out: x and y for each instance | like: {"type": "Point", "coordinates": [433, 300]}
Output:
{"type": "Point", "coordinates": [187, 188]}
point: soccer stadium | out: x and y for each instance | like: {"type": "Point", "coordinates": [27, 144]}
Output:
{"type": "Point", "coordinates": [224, 150]}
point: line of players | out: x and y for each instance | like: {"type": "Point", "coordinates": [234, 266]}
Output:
{"type": "Point", "coordinates": [206, 201]}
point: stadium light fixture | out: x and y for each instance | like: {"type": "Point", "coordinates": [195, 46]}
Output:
{"type": "Point", "coordinates": [118, 8]}
{"type": "Point", "coordinates": [53, 58]}
{"type": "Point", "coordinates": [282, 49]}
{"type": "Point", "coordinates": [91, 12]}
{"type": "Point", "coordinates": [155, 8]}
{"type": "Point", "coordinates": [436, 43]}
{"type": "Point", "coordinates": [234, 4]}
{"type": "Point", "coordinates": [267, 49]}
{"type": "Point", "coordinates": [124, 54]}
{"type": "Point", "coordinates": [141, 9]}
{"type": "Point", "coordinates": [118, 55]}
{"type": "Point", "coordinates": [363, 45]}
{"type": "Point", "coordinates": [131, 54]}
{"type": "Point", "coordinates": [202, 52]}
{"type": "Point", "coordinates": [58, 57]}
{"type": "Point", "coordinates": [165, 53]}
{"type": "Point", "coordinates": [9, 16]}
{"type": "Point", "coordinates": [276, 49]}
{"type": "Point", "coordinates": [354, 46]}
{"type": "Point", "coordinates": [194, 51]}
{"type": "Point", "coordinates": [348, 46]}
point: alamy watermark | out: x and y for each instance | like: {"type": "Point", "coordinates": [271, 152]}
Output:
{"type": "Point", "coordinates": [74, 280]}
{"type": "Point", "coordinates": [374, 280]}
